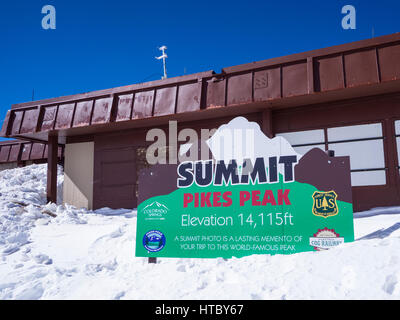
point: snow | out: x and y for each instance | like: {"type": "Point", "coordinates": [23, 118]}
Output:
{"type": "Point", "coordinates": [81, 254]}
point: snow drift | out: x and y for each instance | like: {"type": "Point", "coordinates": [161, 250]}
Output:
{"type": "Point", "coordinates": [52, 251]}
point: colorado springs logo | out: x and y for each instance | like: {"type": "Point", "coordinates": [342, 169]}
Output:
{"type": "Point", "coordinates": [154, 241]}
{"type": "Point", "coordinates": [155, 211]}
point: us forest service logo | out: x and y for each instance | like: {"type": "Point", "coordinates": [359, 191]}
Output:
{"type": "Point", "coordinates": [325, 204]}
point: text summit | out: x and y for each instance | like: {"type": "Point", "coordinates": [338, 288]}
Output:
{"type": "Point", "coordinates": [206, 172]}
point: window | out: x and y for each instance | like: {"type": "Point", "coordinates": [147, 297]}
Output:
{"type": "Point", "coordinates": [363, 143]}
{"type": "Point", "coordinates": [397, 131]}
{"type": "Point", "coordinates": [304, 141]}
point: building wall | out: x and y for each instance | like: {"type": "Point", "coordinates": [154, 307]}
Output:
{"type": "Point", "coordinates": [118, 158]}
{"type": "Point", "coordinates": [367, 130]}
{"type": "Point", "coordinates": [363, 129]}
{"type": "Point", "coordinates": [78, 174]}
{"type": "Point", "coordinates": [8, 165]}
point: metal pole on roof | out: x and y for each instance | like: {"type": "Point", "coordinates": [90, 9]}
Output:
{"type": "Point", "coordinates": [163, 57]}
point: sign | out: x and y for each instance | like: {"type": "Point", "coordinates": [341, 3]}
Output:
{"type": "Point", "coordinates": [248, 199]}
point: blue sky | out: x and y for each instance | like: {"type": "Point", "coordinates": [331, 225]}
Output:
{"type": "Point", "coordinates": [104, 44]}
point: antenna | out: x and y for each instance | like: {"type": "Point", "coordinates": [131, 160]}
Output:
{"type": "Point", "coordinates": [163, 57]}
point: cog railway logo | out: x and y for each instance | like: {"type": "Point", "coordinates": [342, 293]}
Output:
{"type": "Point", "coordinates": [325, 204]}
{"type": "Point", "coordinates": [325, 239]}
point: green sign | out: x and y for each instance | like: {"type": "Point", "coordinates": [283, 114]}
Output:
{"type": "Point", "coordinates": [242, 207]}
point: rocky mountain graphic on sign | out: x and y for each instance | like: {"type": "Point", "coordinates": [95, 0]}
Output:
{"type": "Point", "coordinates": [156, 205]}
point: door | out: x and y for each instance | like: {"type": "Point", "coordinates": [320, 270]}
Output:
{"type": "Point", "coordinates": [115, 178]}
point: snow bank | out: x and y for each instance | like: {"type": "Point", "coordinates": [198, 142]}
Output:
{"type": "Point", "coordinates": [80, 254]}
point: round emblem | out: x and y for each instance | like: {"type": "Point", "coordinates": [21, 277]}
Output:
{"type": "Point", "coordinates": [154, 241]}
{"type": "Point", "coordinates": [325, 239]}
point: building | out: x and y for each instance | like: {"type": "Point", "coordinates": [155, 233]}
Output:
{"type": "Point", "coordinates": [344, 98]}
{"type": "Point", "coordinates": [19, 153]}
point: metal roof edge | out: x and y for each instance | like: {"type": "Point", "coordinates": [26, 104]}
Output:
{"type": "Point", "coordinates": [107, 92]}
{"type": "Point", "coordinates": [331, 50]}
